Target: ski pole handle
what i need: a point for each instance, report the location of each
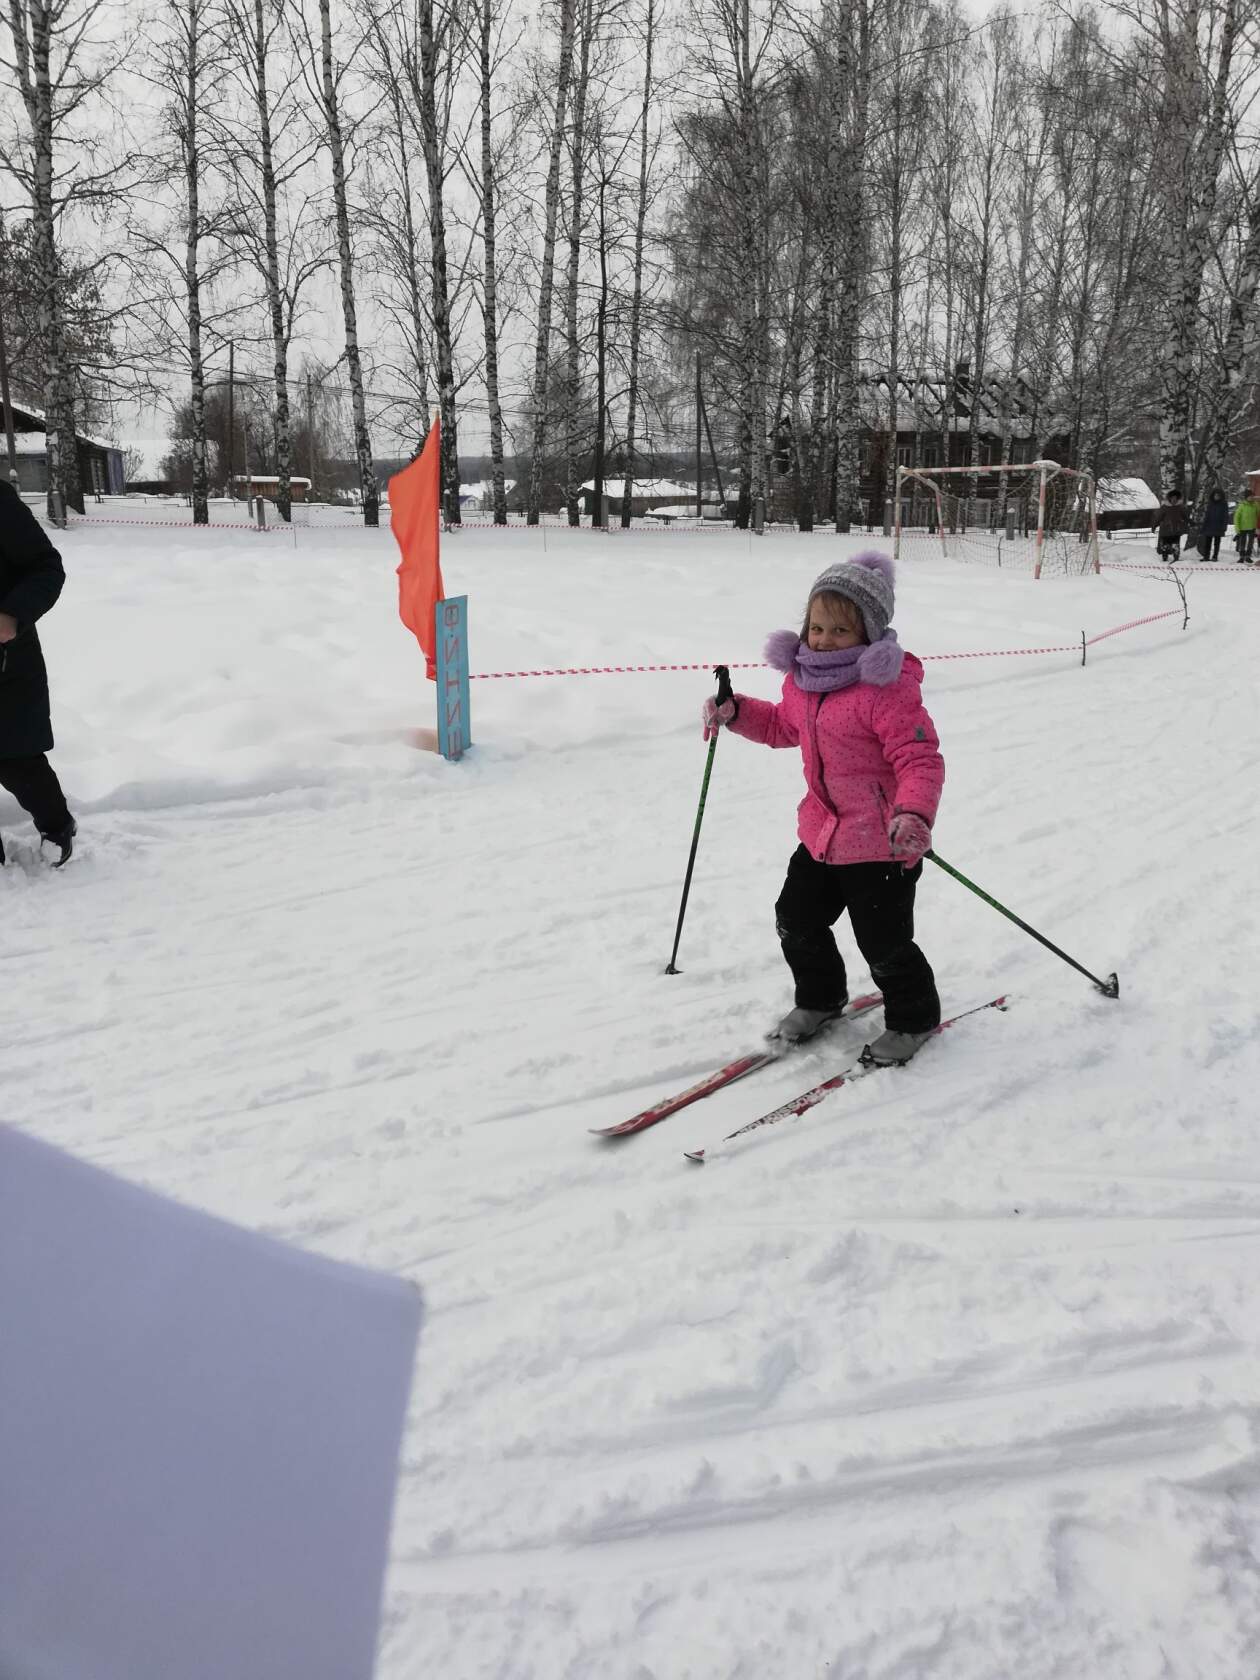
(725, 691)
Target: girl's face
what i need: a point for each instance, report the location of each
(832, 623)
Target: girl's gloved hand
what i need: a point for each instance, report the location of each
(715, 716)
(909, 837)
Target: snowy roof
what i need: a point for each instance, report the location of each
(681, 510)
(485, 487)
(643, 487)
(1118, 494)
(84, 437)
(266, 478)
(934, 399)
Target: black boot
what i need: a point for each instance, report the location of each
(64, 838)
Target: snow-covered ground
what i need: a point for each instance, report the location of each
(956, 1376)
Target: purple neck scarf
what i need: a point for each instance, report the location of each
(822, 673)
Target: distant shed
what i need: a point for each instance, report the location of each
(1126, 504)
(100, 461)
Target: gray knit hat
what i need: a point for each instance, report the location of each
(867, 581)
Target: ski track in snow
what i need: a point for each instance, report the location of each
(957, 1375)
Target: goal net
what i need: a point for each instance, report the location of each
(1038, 517)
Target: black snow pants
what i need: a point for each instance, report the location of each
(880, 900)
(33, 783)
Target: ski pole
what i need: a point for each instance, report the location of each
(724, 694)
(1110, 987)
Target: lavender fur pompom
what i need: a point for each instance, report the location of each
(781, 646)
(876, 561)
(881, 662)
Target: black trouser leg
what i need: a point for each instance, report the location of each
(881, 909)
(812, 899)
(1213, 547)
(33, 783)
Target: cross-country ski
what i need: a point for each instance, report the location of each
(740, 1068)
(860, 1069)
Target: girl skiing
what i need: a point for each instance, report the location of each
(873, 777)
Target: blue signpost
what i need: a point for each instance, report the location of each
(454, 724)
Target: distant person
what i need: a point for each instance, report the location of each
(1215, 519)
(1246, 518)
(31, 577)
(1171, 524)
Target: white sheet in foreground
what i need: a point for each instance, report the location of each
(199, 1436)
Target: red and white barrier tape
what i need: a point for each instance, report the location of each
(76, 524)
(1161, 568)
(1154, 618)
(758, 664)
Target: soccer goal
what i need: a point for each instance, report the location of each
(1037, 516)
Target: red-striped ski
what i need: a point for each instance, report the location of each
(738, 1069)
(816, 1093)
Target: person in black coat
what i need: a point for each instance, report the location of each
(31, 577)
(1215, 519)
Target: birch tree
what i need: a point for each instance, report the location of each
(994, 110)
(179, 247)
(734, 58)
(389, 212)
(1238, 347)
(430, 60)
(1194, 43)
(271, 227)
(488, 184)
(898, 157)
(852, 87)
(62, 58)
(636, 283)
(546, 278)
(324, 87)
(588, 18)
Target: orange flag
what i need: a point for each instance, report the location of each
(414, 503)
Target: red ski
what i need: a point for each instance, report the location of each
(816, 1093)
(738, 1069)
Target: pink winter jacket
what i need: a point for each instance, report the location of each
(869, 751)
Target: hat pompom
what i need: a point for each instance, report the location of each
(875, 561)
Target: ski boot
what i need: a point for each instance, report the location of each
(799, 1024)
(64, 839)
(894, 1049)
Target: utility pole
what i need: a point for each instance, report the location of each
(9, 439)
(310, 436)
(231, 437)
(699, 415)
(601, 353)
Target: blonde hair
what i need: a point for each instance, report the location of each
(841, 609)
